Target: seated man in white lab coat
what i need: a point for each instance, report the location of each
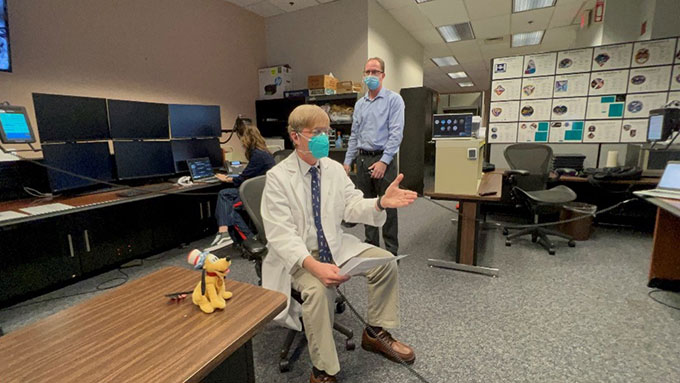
(305, 199)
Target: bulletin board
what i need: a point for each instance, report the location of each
(589, 95)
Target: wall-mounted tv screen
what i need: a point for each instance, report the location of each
(5, 58)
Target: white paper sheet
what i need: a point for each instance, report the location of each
(44, 209)
(356, 266)
(7, 215)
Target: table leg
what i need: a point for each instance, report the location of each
(466, 246)
(237, 368)
(664, 270)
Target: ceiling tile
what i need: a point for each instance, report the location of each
(484, 9)
(491, 27)
(292, 6)
(565, 14)
(265, 9)
(411, 18)
(530, 21)
(465, 51)
(427, 36)
(559, 38)
(392, 4)
(444, 12)
(244, 3)
(437, 50)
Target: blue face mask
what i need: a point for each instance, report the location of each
(372, 82)
(318, 145)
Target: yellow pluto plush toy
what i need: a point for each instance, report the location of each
(209, 293)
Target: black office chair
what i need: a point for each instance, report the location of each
(280, 155)
(255, 248)
(529, 174)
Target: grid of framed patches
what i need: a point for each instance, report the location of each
(591, 95)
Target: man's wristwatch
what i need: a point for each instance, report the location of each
(380, 206)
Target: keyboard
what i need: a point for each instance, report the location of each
(144, 190)
(208, 180)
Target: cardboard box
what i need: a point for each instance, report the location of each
(321, 92)
(274, 81)
(322, 81)
(348, 87)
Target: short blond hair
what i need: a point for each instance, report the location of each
(379, 60)
(305, 116)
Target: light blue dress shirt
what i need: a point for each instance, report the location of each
(377, 124)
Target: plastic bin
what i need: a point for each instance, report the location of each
(580, 229)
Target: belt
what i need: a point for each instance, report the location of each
(370, 153)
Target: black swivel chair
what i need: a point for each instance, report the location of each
(255, 248)
(280, 155)
(529, 174)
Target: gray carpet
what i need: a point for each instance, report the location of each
(580, 316)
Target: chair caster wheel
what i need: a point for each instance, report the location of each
(508, 243)
(551, 251)
(349, 345)
(340, 308)
(506, 231)
(571, 243)
(284, 366)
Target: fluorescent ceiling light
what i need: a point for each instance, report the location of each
(528, 38)
(422, 1)
(465, 84)
(458, 75)
(456, 32)
(527, 5)
(445, 61)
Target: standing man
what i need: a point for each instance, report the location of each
(377, 130)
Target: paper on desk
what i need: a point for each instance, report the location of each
(356, 266)
(7, 215)
(44, 209)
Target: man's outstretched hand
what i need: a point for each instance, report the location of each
(395, 197)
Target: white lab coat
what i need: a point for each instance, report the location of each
(285, 224)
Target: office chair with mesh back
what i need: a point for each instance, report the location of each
(256, 249)
(529, 174)
(280, 155)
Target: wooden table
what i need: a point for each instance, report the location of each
(135, 334)
(664, 269)
(644, 181)
(489, 190)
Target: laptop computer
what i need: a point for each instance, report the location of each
(201, 170)
(669, 186)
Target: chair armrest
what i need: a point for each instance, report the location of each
(516, 172)
(256, 250)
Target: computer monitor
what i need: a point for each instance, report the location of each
(200, 168)
(143, 159)
(670, 180)
(70, 118)
(138, 120)
(15, 127)
(88, 159)
(452, 125)
(662, 123)
(183, 150)
(5, 51)
(190, 121)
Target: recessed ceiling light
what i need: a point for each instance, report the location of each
(528, 38)
(458, 75)
(527, 5)
(465, 84)
(456, 32)
(445, 61)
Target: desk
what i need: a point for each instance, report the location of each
(644, 181)
(468, 227)
(135, 334)
(664, 270)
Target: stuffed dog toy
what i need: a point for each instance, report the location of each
(209, 293)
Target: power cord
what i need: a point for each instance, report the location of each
(651, 295)
(374, 335)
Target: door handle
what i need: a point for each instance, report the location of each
(208, 209)
(87, 241)
(70, 245)
(200, 208)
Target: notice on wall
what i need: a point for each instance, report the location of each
(574, 61)
(502, 90)
(533, 131)
(504, 111)
(507, 67)
(611, 57)
(537, 87)
(539, 65)
(634, 131)
(571, 85)
(535, 110)
(566, 131)
(606, 107)
(657, 52)
(569, 109)
(649, 79)
(503, 132)
(675, 78)
(602, 131)
(610, 82)
(639, 105)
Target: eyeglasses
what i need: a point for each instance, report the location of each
(317, 131)
(372, 72)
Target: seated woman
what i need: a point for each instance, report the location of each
(232, 227)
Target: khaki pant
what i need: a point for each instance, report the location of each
(318, 307)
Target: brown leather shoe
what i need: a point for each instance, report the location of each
(386, 345)
(321, 378)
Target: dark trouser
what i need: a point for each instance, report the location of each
(227, 215)
(376, 187)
